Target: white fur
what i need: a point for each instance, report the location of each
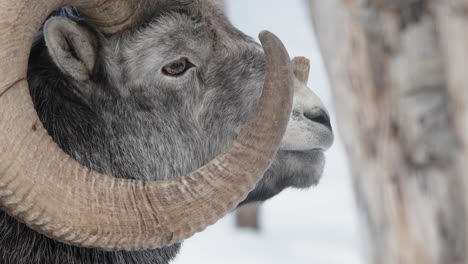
(303, 134)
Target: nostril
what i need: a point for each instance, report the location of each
(319, 116)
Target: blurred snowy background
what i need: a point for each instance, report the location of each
(317, 226)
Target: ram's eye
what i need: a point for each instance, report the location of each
(178, 67)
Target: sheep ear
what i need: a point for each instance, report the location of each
(71, 46)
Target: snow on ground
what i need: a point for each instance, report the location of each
(317, 226)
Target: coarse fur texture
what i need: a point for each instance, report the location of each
(106, 102)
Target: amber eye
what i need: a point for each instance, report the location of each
(177, 68)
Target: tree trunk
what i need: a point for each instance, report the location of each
(399, 73)
(247, 217)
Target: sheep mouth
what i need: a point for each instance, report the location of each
(305, 167)
(305, 137)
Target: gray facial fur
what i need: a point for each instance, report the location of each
(106, 102)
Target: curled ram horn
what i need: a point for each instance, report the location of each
(301, 68)
(51, 193)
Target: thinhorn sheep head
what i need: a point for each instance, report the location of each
(52, 194)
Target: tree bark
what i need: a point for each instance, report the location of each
(247, 217)
(398, 70)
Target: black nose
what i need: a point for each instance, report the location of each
(319, 116)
